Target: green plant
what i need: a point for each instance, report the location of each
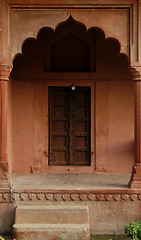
(61, 238)
(133, 230)
(1, 238)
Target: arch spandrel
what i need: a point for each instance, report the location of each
(27, 23)
(105, 53)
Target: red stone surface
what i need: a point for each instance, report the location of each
(64, 233)
(51, 222)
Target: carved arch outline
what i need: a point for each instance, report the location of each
(79, 30)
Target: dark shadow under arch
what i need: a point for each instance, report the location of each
(71, 48)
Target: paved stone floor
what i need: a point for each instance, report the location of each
(69, 181)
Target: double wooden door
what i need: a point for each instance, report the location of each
(69, 126)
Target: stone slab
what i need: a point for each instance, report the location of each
(43, 214)
(51, 231)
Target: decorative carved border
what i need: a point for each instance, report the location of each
(73, 196)
(68, 3)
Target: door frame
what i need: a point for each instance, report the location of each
(72, 169)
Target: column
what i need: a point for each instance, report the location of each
(4, 76)
(135, 181)
(5, 63)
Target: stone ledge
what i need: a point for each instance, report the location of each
(5, 196)
(42, 227)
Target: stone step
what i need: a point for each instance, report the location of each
(51, 231)
(50, 214)
(51, 222)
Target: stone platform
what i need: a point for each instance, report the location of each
(62, 181)
(70, 187)
(111, 203)
(51, 222)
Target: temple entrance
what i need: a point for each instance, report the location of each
(61, 130)
(69, 126)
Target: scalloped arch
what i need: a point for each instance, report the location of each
(78, 28)
(59, 26)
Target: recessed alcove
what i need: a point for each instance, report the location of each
(71, 54)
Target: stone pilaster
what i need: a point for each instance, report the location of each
(4, 76)
(135, 181)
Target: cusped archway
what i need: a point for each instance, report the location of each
(72, 48)
(72, 55)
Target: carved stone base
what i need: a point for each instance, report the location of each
(3, 168)
(135, 181)
(4, 182)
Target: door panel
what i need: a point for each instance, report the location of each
(80, 127)
(58, 124)
(69, 126)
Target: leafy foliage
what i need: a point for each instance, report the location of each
(1, 238)
(133, 230)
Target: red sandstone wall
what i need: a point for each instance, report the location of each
(106, 217)
(114, 126)
(22, 129)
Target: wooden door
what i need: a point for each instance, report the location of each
(69, 126)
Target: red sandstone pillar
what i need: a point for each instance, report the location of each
(135, 181)
(5, 63)
(4, 76)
